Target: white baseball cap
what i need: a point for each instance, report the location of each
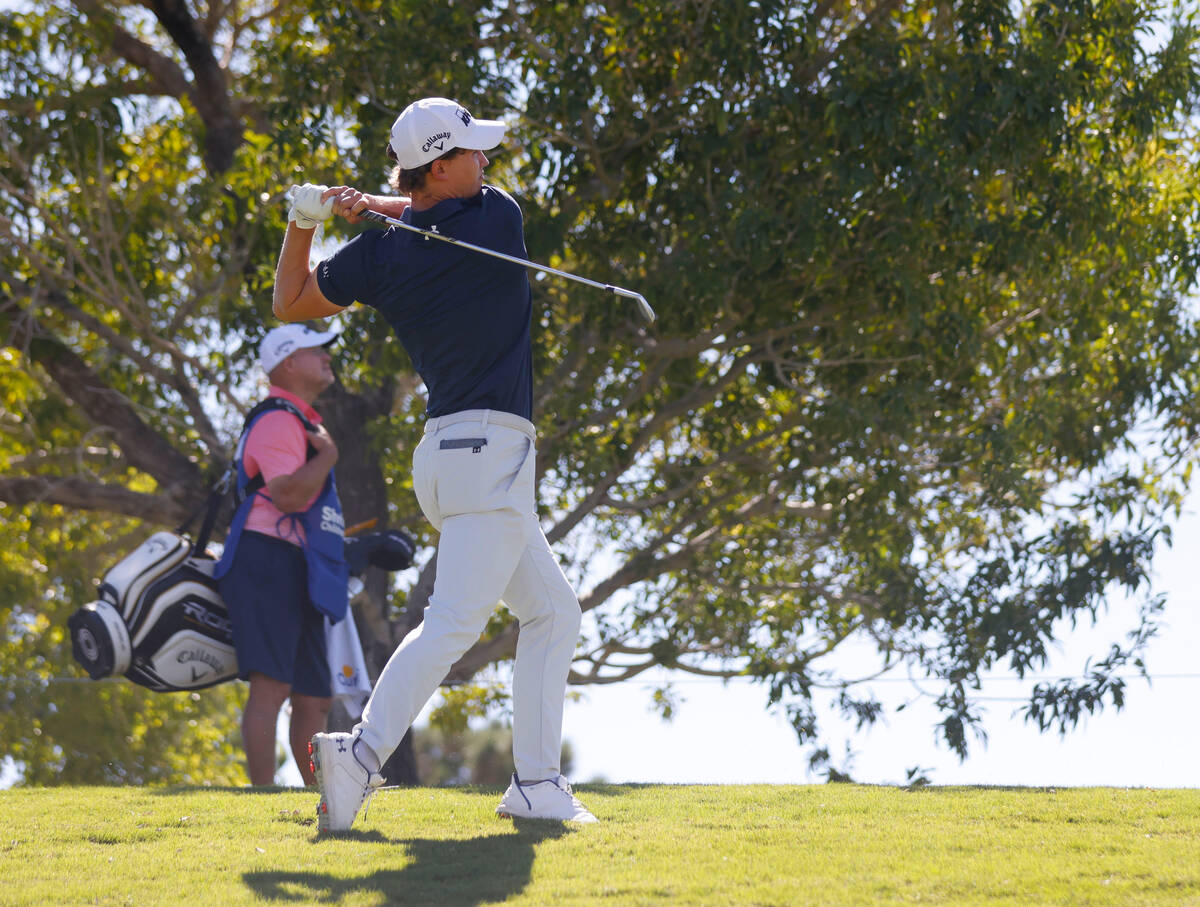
(282, 341)
(429, 128)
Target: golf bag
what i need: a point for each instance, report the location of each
(161, 622)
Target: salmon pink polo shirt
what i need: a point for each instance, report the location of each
(277, 446)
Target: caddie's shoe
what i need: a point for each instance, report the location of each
(344, 781)
(548, 799)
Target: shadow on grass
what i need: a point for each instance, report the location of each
(455, 873)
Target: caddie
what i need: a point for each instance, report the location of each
(283, 570)
(465, 321)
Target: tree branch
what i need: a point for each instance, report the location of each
(142, 446)
(174, 378)
(209, 90)
(166, 72)
(211, 95)
(90, 96)
(78, 493)
(665, 415)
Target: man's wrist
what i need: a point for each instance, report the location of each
(390, 205)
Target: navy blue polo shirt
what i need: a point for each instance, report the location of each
(462, 316)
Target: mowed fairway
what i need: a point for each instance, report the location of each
(832, 844)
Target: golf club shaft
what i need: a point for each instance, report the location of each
(643, 306)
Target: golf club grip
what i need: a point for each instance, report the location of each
(368, 214)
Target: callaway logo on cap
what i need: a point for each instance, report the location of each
(282, 341)
(428, 129)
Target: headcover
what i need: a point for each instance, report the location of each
(388, 550)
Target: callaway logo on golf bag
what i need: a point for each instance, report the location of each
(160, 620)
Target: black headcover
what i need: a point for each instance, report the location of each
(391, 549)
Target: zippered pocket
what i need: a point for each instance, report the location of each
(476, 444)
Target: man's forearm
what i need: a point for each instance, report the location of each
(292, 270)
(391, 205)
(291, 493)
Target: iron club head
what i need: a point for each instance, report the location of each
(643, 306)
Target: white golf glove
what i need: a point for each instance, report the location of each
(307, 208)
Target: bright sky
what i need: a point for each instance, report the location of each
(722, 733)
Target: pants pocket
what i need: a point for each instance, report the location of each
(425, 481)
(471, 476)
(520, 483)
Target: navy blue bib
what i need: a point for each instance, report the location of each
(324, 526)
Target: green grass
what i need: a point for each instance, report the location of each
(832, 844)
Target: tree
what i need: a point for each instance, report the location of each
(134, 247)
(922, 274)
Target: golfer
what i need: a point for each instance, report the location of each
(464, 319)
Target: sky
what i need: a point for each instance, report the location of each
(722, 732)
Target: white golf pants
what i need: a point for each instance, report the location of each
(473, 473)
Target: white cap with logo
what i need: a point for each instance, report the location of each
(429, 128)
(282, 341)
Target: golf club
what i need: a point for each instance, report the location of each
(643, 306)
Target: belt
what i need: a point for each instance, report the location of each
(484, 418)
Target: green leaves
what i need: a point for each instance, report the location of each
(921, 260)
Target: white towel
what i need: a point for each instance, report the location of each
(347, 667)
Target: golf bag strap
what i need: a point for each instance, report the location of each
(211, 508)
(215, 497)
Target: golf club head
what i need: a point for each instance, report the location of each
(643, 306)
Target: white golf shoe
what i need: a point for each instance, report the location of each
(548, 799)
(344, 782)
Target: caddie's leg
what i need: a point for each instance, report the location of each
(548, 611)
(258, 726)
(310, 715)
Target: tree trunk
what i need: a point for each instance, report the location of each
(401, 766)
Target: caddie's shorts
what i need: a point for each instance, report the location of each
(277, 630)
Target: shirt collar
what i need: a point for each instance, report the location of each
(309, 413)
(444, 209)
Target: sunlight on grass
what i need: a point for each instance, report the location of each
(834, 844)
